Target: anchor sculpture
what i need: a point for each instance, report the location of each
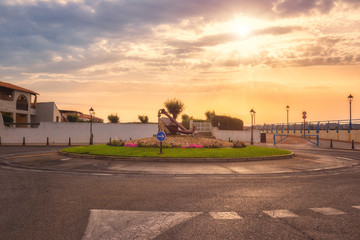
(170, 126)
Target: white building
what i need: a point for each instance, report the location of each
(21, 105)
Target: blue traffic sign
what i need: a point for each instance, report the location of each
(160, 136)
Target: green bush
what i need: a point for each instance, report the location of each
(227, 123)
(7, 118)
(72, 118)
(113, 118)
(143, 118)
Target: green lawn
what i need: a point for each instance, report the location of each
(249, 151)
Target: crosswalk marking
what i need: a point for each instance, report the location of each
(119, 224)
(280, 213)
(224, 215)
(328, 211)
(145, 225)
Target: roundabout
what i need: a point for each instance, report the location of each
(48, 159)
(194, 153)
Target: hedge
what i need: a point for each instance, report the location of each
(227, 123)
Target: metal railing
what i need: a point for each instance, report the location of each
(202, 126)
(333, 125)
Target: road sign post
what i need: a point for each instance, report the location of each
(160, 136)
(304, 117)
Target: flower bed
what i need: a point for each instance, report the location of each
(178, 141)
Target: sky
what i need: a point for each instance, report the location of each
(127, 57)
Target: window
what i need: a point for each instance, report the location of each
(22, 103)
(6, 94)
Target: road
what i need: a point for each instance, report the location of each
(44, 204)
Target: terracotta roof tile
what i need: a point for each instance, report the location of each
(14, 87)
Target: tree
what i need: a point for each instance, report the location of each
(184, 117)
(113, 118)
(174, 107)
(143, 118)
(72, 118)
(209, 114)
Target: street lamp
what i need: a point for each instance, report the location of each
(350, 97)
(91, 111)
(252, 113)
(287, 114)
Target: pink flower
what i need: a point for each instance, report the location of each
(131, 145)
(193, 146)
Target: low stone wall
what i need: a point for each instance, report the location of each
(236, 135)
(79, 133)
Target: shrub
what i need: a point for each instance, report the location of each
(113, 118)
(72, 118)
(239, 144)
(210, 114)
(227, 123)
(7, 118)
(174, 107)
(143, 119)
(116, 142)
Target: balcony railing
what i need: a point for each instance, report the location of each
(22, 106)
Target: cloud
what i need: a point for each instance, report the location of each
(305, 7)
(119, 36)
(277, 30)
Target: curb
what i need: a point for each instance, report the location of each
(186, 160)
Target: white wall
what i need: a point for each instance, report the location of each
(47, 112)
(59, 133)
(79, 133)
(241, 135)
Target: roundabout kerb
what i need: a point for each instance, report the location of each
(175, 159)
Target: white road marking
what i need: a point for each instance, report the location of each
(280, 213)
(224, 215)
(328, 211)
(345, 158)
(65, 159)
(117, 224)
(358, 207)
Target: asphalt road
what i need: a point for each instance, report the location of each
(72, 205)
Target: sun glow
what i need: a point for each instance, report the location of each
(242, 31)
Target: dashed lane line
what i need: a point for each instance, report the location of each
(345, 158)
(33, 155)
(280, 213)
(328, 211)
(358, 207)
(224, 215)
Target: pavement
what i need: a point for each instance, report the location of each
(307, 159)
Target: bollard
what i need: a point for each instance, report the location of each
(47, 141)
(352, 144)
(23, 141)
(69, 141)
(331, 146)
(0, 140)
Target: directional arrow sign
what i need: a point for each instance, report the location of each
(160, 136)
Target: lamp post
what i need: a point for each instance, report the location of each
(287, 114)
(91, 111)
(252, 113)
(350, 97)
